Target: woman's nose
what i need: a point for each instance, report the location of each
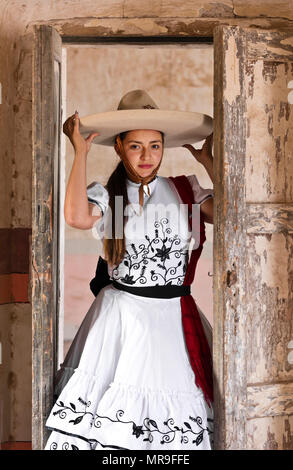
(145, 154)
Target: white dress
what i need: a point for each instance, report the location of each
(128, 381)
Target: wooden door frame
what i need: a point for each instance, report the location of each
(45, 227)
(44, 260)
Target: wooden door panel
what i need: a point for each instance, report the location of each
(269, 180)
(269, 164)
(47, 61)
(269, 307)
(253, 238)
(270, 433)
(273, 399)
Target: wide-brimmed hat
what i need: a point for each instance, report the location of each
(137, 110)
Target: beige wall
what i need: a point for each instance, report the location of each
(76, 17)
(96, 80)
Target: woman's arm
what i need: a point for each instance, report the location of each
(205, 157)
(207, 210)
(77, 209)
(207, 207)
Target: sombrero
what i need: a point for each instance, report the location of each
(137, 110)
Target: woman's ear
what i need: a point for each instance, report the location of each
(116, 148)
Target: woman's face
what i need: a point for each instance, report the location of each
(144, 150)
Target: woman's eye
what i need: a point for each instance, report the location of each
(135, 147)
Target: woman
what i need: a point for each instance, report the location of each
(127, 382)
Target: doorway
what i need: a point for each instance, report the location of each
(177, 78)
(252, 229)
(55, 61)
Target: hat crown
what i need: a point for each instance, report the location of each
(137, 99)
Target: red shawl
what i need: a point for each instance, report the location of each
(195, 338)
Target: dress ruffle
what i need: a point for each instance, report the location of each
(127, 382)
(128, 417)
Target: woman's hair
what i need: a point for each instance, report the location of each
(114, 248)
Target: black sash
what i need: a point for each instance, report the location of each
(102, 279)
(160, 292)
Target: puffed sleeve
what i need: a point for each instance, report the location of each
(200, 194)
(97, 194)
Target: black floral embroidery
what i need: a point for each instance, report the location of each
(145, 254)
(65, 446)
(148, 429)
(93, 443)
(68, 446)
(137, 430)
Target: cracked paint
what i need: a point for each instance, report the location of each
(269, 167)
(145, 25)
(232, 70)
(272, 266)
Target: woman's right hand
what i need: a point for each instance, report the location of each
(71, 129)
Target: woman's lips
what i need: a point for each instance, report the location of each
(145, 166)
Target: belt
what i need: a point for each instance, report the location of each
(160, 292)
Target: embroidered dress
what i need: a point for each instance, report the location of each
(126, 382)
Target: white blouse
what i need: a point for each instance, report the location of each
(158, 240)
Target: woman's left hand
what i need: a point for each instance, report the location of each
(205, 152)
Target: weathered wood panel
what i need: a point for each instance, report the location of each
(270, 433)
(46, 130)
(270, 45)
(218, 246)
(269, 182)
(229, 243)
(175, 26)
(270, 217)
(253, 238)
(270, 400)
(269, 166)
(270, 307)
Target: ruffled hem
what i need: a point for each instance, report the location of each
(125, 416)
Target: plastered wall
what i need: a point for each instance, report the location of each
(76, 17)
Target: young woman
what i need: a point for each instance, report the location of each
(127, 381)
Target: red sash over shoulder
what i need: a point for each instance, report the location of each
(195, 338)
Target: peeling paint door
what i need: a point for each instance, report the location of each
(47, 61)
(253, 238)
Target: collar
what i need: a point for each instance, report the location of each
(132, 189)
(132, 185)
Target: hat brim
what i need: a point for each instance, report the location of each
(179, 127)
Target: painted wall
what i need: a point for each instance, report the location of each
(76, 17)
